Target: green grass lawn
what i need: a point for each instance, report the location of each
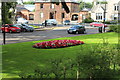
(21, 57)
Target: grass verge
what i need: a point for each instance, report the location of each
(21, 57)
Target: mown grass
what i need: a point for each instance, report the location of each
(21, 57)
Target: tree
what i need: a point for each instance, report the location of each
(85, 5)
(29, 2)
(8, 9)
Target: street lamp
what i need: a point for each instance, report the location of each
(104, 16)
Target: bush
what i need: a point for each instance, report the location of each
(57, 43)
(110, 22)
(115, 28)
(88, 20)
(97, 62)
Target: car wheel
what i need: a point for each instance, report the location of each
(54, 24)
(93, 26)
(75, 32)
(85, 32)
(31, 30)
(2, 31)
(10, 31)
(79, 32)
(69, 32)
(24, 30)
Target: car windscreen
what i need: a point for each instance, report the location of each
(12, 25)
(19, 26)
(76, 26)
(67, 21)
(25, 25)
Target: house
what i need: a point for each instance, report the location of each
(113, 10)
(107, 12)
(44, 9)
(97, 11)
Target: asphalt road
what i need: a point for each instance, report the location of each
(56, 32)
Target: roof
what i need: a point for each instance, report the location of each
(102, 6)
(73, 1)
(20, 8)
(85, 9)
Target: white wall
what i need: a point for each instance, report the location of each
(110, 10)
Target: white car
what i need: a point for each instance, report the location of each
(50, 22)
(22, 20)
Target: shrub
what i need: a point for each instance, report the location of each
(88, 20)
(110, 22)
(114, 28)
(57, 43)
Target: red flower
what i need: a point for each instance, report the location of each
(57, 43)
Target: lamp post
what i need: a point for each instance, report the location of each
(3, 20)
(104, 16)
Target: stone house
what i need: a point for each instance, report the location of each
(112, 11)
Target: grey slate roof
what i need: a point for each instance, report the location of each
(20, 8)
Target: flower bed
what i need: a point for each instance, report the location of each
(57, 43)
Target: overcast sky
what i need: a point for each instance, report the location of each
(75, 0)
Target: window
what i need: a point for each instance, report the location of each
(41, 5)
(41, 15)
(98, 16)
(52, 6)
(63, 15)
(31, 16)
(116, 7)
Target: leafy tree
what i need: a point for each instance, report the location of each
(103, 2)
(7, 15)
(85, 5)
(29, 2)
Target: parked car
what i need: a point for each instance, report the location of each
(10, 28)
(50, 22)
(66, 22)
(77, 29)
(25, 27)
(97, 24)
(22, 20)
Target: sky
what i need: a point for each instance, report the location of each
(75, 0)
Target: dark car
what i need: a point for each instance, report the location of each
(25, 27)
(10, 28)
(66, 22)
(77, 29)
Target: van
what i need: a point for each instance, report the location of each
(22, 21)
(50, 22)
